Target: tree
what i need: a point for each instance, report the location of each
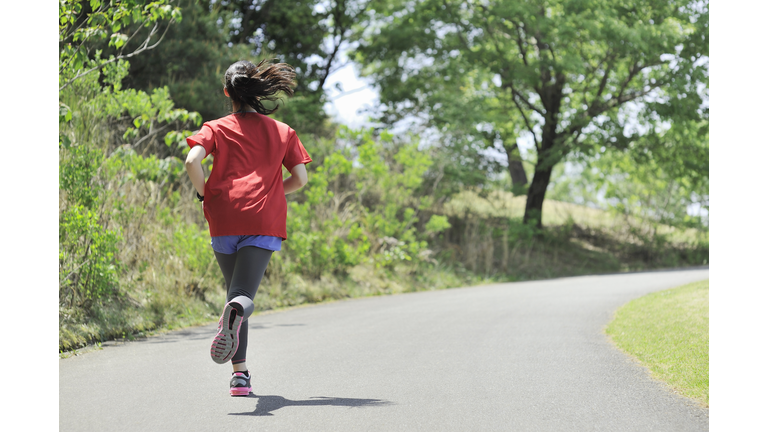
(569, 74)
(215, 34)
(307, 34)
(191, 61)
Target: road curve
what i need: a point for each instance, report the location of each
(526, 356)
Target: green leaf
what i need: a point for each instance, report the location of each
(117, 40)
(65, 114)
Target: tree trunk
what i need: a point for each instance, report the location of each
(516, 170)
(514, 164)
(547, 157)
(536, 192)
(519, 179)
(547, 151)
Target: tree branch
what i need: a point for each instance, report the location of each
(342, 94)
(527, 123)
(509, 85)
(515, 93)
(520, 46)
(601, 88)
(338, 67)
(615, 101)
(142, 48)
(138, 29)
(588, 77)
(328, 64)
(459, 23)
(545, 75)
(150, 134)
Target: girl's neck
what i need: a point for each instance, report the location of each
(242, 108)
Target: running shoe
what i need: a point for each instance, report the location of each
(227, 339)
(240, 384)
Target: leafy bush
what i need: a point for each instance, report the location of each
(88, 267)
(358, 208)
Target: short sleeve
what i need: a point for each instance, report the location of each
(203, 137)
(295, 153)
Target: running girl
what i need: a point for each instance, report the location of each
(244, 197)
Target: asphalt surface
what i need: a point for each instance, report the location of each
(528, 356)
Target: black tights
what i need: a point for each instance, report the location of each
(243, 271)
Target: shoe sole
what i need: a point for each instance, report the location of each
(240, 391)
(227, 339)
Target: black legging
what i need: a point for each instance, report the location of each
(243, 271)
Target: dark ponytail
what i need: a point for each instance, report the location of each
(249, 84)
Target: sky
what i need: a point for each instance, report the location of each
(357, 94)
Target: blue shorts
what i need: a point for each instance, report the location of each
(232, 243)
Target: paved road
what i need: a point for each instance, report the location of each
(527, 356)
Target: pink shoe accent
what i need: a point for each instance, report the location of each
(236, 387)
(240, 391)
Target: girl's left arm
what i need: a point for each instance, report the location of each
(194, 167)
(297, 179)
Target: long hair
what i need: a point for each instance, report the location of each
(249, 84)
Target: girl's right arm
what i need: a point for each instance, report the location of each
(195, 168)
(297, 179)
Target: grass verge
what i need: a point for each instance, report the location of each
(668, 332)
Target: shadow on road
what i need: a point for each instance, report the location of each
(267, 404)
(202, 332)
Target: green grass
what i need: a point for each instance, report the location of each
(668, 332)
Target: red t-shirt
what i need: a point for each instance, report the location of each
(244, 194)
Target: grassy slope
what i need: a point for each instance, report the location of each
(555, 213)
(583, 240)
(668, 332)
